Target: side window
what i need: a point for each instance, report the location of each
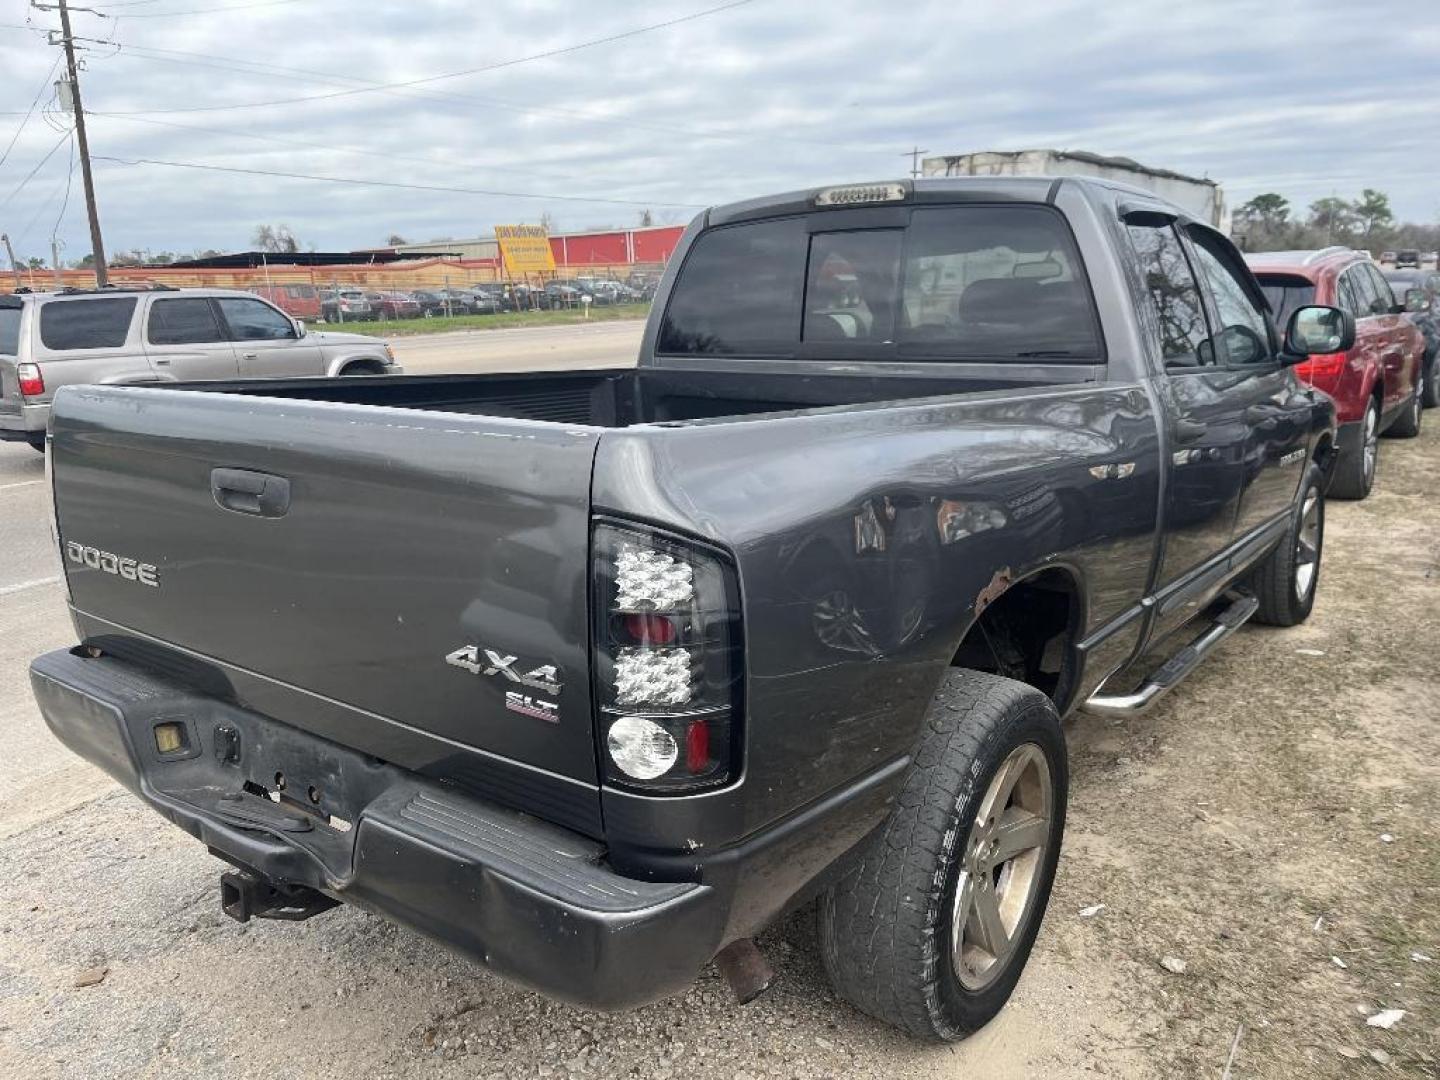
(1385, 296)
(1178, 307)
(101, 323)
(853, 281)
(1243, 336)
(190, 321)
(739, 292)
(1367, 300)
(254, 320)
(1346, 296)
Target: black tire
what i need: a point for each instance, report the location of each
(1407, 424)
(1353, 478)
(37, 445)
(1277, 581)
(1430, 396)
(885, 926)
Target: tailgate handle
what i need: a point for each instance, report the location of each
(248, 492)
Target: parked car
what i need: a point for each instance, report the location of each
(345, 305)
(301, 301)
(562, 294)
(431, 302)
(484, 302)
(130, 336)
(1376, 383)
(1407, 257)
(1387, 256)
(1419, 291)
(594, 674)
(394, 305)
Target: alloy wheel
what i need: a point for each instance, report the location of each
(1001, 867)
(1371, 448)
(1307, 545)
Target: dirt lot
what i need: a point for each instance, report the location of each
(1275, 825)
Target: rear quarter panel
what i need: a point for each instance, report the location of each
(856, 585)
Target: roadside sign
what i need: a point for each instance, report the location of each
(525, 249)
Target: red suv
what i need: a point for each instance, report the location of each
(1377, 383)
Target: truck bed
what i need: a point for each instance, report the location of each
(620, 398)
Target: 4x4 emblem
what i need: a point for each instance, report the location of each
(479, 661)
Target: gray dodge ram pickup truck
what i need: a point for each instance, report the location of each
(592, 675)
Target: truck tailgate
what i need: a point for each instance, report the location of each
(384, 541)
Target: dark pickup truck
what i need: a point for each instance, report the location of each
(592, 675)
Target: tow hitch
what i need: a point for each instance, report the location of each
(245, 896)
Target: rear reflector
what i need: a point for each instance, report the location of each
(32, 383)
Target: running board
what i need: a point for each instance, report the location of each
(1169, 674)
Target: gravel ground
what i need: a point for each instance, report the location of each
(1241, 829)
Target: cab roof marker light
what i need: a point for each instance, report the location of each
(861, 194)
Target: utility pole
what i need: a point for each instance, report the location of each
(14, 266)
(97, 245)
(914, 156)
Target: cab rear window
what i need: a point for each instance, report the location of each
(956, 283)
(100, 323)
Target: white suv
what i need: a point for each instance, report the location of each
(49, 340)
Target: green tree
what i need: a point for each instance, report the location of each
(1373, 213)
(1270, 210)
(1333, 218)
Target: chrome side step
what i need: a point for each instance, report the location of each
(1169, 674)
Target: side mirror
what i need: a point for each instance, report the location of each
(1316, 329)
(1416, 300)
(300, 330)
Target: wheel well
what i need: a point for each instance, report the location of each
(361, 367)
(1027, 634)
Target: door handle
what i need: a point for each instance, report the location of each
(1189, 430)
(247, 492)
(250, 356)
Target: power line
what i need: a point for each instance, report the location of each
(468, 71)
(31, 111)
(191, 11)
(65, 203)
(397, 184)
(31, 174)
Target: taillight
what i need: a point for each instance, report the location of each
(667, 655)
(1325, 366)
(32, 383)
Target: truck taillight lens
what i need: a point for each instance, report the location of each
(32, 383)
(667, 658)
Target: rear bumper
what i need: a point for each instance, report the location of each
(25, 425)
(533, 902)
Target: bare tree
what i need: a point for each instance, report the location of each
(275, 238)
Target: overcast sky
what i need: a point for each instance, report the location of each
(1306, 97)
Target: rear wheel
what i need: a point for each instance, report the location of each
(1430, 393)
(1407, 424)
(931, 927)
(1285, 582)
(1355, 467)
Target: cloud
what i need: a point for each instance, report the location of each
(1302, 96)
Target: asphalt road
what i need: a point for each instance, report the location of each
(538, 348)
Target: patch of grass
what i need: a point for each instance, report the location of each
(505, 320)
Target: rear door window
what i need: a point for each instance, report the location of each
(1384, 295)
(1366, 296)
(99, 323)
(190, 321)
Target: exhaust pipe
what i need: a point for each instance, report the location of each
(745, 969)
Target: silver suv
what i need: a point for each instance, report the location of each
(50, 340)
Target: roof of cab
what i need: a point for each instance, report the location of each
(1031, 189)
